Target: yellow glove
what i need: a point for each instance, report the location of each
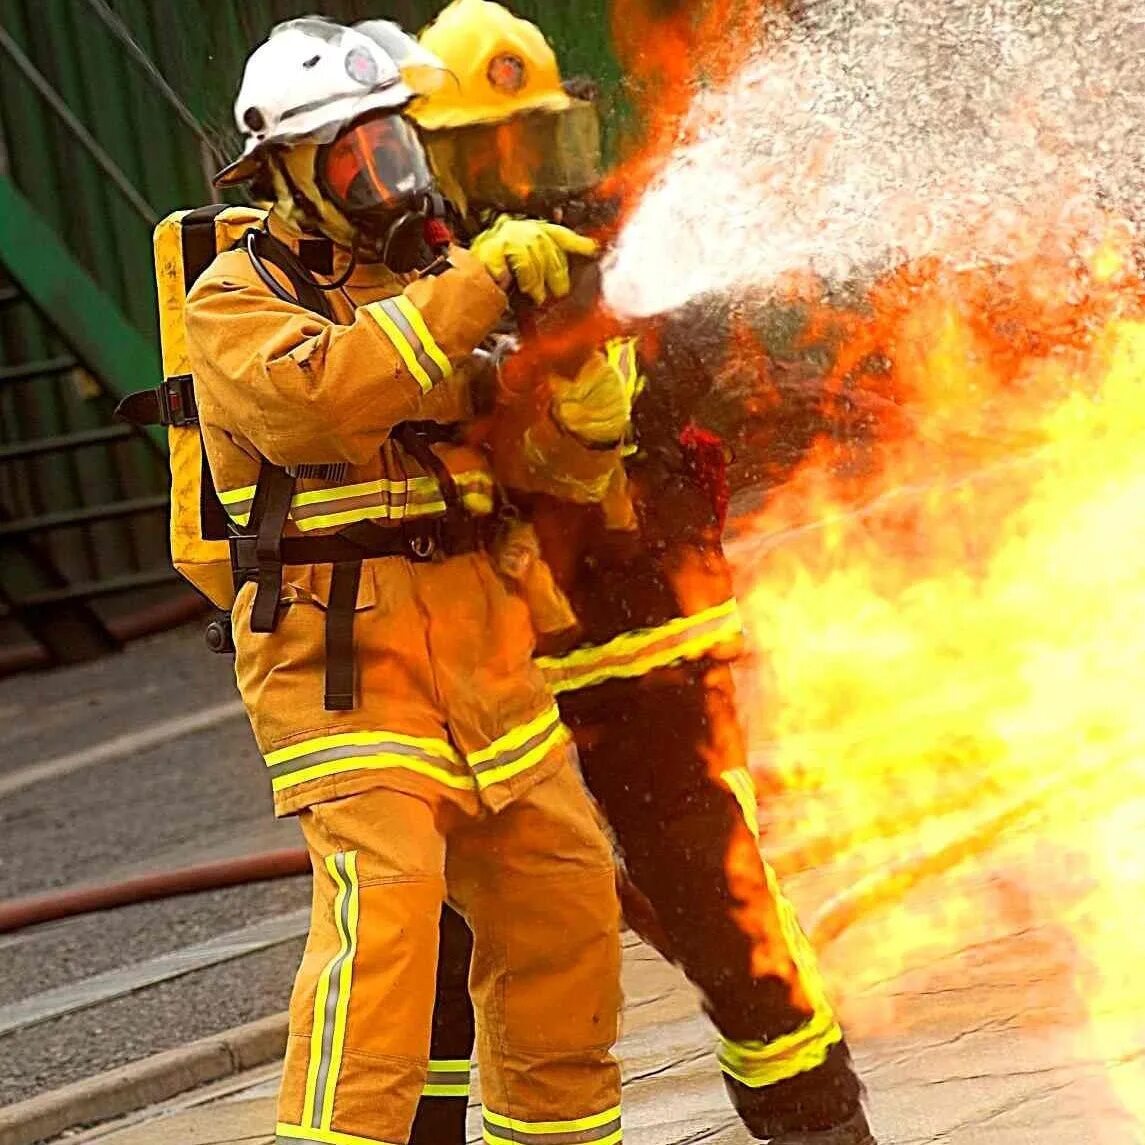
(596, 405)
(535, 253)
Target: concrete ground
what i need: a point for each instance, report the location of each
(982, 1045)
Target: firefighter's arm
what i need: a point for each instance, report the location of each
(304, 390)
(566, 437)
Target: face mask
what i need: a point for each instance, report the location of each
(375, 168)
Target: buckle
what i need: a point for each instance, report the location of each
(177, 404)
(422, 546)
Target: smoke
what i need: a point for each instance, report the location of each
(868, 132)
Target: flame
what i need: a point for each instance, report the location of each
(946, 591)
(954, 628)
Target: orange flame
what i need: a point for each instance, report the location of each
(949, 603)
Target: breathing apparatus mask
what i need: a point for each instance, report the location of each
(375, 173)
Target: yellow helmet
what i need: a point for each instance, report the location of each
(502, 64)
(503, 133)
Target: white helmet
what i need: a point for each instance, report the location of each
(312, 77)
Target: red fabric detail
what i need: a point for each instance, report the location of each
(707, 461)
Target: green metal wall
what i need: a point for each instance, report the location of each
(112, 114)
(198, 50)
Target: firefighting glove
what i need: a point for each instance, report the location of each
(533, 253)
(596, 405)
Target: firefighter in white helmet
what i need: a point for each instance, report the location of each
(386, 667)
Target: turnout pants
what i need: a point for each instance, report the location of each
(535, 884)
(664, 757)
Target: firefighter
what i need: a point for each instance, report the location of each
(648, 689)
(386, 668)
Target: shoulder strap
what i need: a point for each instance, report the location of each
(262, 247)
(200, 245)
(418, 445)
(197, 236)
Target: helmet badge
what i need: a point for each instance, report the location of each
(362, 67)
(507, 73)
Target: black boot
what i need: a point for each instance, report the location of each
(822, 1106)
(855, 1131)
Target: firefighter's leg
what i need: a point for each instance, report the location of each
(664, 757)
(441, 1112)
(536, 883)
(360, 1011)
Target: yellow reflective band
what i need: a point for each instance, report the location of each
(238, 503)
(347, 873)
(362, 489)
(759, 1064)
(637, 653)
(232, 496)
(515, 738)
(447, 1079)
(428, 344)
(740, 783)
(386, 500)
(558, 736)
(519, 749)
(405, 349)
(300, 1134)
(370, 751)
(599, 1129)
(332, 997)
(432, 1089)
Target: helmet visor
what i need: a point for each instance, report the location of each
(531, 158)
(377, 163)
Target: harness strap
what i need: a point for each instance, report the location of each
(262, 247)
(268, 518)
(417, 444)
(340, 691)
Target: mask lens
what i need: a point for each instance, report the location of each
(378, 163)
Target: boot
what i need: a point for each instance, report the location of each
(854, 1131)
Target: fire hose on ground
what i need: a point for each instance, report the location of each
(877, 890)
(17, 914)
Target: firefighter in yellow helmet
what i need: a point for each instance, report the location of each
(385, 665)
(648, 691)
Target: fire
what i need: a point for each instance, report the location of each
(954, 628)
(948, 609)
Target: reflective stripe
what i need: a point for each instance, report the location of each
(404, 326)
(758, 1064)
(447, 1079)
(519, 749)
(643, 650)
(237, 503)
(371, 501)
(740, 783)
(428, 344)
(350, 751)
(366, 500)
(298, 1135)
(332, 998)
(601, 1129)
